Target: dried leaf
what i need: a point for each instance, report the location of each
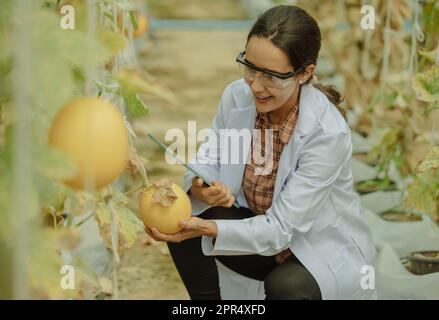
(106, 285)
(136, 163)
(87, 284)
(430, 162)
(79, 203)
(51, 217)
(426, 85)
(116, 197)
(146, 240)
(164, 182)
(163, 194)
(128, 226)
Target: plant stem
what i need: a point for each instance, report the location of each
(85, 219)
(53, 213)
(127, 193)
(69, 220)
(433, 130)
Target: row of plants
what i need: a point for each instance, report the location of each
(390, 77)
(67, 152)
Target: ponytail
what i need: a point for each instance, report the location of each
(332, 93)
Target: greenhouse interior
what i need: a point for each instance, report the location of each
(113, 185)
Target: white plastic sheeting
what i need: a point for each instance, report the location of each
(392, 280)
(381, 201)
(362, 171)
(403, 237)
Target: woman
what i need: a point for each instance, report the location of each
(300, 228)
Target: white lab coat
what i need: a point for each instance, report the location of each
(315, 210)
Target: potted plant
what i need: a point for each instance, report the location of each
(423, 192)
(423, 262)
(383, 153)
(401, 215)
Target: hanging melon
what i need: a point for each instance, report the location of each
(92, 133)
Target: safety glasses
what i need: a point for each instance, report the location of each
(268, 78)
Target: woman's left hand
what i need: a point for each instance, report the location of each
(192, 228)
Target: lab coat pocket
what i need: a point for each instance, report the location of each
(347, 273)
(338, 261)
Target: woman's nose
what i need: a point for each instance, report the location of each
(256, 85)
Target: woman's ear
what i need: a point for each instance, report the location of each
(308, 73)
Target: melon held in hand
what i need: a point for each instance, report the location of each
(163, 205)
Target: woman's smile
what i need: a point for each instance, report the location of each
(262, 99)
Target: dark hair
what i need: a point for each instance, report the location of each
(296, 33)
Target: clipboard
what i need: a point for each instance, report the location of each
(179, 161)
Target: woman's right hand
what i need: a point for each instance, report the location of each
(217, 195)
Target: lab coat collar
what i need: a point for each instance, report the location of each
(310, 108)
(244, 118)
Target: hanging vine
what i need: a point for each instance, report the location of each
(49, 68)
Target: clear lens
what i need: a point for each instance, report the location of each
(266, 79)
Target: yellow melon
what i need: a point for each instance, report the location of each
(92, 133)
(164, 218)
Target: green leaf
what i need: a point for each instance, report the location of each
(61, 56)
(135, 104)
(133, 20)
(55, 164)
(50, 192)
(86, 50)
(109, 15)
(113, 41)
(48, 72)
(422, 194)
(44, 267)
(52, 166)
(81, 51)
(122, 4)
(6, 275)
(137, 81)
(432, 56)
(5, 203)
(7, 167)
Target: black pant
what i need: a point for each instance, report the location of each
(289, 280)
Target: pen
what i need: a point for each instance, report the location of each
(179, 161)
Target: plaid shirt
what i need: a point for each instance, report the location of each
(258, 188)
